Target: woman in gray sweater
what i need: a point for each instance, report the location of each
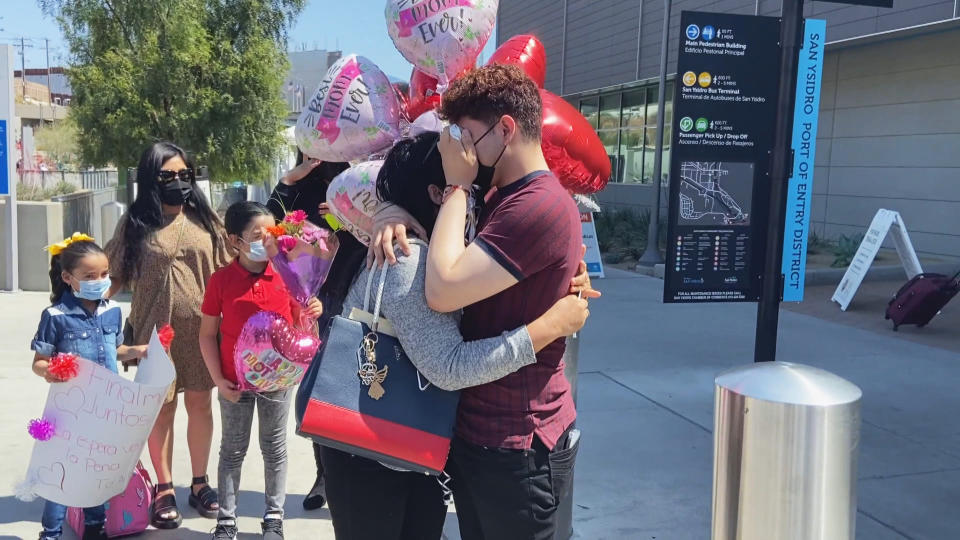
(409, 506)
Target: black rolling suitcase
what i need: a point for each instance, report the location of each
(921, 298)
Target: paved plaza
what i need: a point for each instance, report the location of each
(645, 401)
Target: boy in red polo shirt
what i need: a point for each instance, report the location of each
(236, 292)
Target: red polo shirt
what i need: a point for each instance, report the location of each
(235, 294)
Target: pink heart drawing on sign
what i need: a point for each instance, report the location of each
(52, 475)
(70, 402)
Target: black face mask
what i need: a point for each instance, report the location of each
(175, 192)
(484, 177)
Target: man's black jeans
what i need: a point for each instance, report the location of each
(505, 494)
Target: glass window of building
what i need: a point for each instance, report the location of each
(609, 132)
(590, 109)
(631, 136)
(626, 123)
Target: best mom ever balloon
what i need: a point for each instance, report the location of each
(441, 37)
(353, 113)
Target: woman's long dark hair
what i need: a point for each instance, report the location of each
(146, 213)
(410, 167)
(68, 259)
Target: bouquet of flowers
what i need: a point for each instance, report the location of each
(302, 254)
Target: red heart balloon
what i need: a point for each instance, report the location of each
(526, 52)
(572, 148)
(423, 94)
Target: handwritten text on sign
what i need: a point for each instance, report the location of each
(102, 422)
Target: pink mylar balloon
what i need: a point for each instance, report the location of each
(352, 197)
(271, 354)
(441, 37)
(352, 114)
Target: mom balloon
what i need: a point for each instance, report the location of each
(525, 52)
(572, 148)
(352, 198)
(352, 114)
(441, 37)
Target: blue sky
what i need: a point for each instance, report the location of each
(324, 24)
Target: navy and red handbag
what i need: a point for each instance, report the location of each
(362, 395)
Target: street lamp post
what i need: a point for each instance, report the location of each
(651, 256)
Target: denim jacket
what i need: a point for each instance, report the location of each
(68, 327)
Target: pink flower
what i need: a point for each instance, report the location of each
(297, 216)
(286, 243)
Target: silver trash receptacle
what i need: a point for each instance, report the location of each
(110, 214)
(786, 439)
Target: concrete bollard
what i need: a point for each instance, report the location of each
(786, 440)
(110, 214)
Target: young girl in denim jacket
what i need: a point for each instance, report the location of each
(82, 322)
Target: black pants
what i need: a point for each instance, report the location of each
(371, 502)
(318, 457)
(504, 494)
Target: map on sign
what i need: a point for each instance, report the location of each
(715, 193)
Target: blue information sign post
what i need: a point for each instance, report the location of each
(806, 110)
(4, 156)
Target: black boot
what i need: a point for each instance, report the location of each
(317, 496)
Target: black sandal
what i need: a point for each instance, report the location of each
(205, 501)
(164, 505)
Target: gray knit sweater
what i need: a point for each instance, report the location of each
(432, 340)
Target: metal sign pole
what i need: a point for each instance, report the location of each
(768, 309)
(8, 159)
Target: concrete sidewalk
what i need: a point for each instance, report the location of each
(646, 410)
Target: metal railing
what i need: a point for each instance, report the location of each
(89, 179)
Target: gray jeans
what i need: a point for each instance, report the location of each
(236, 425)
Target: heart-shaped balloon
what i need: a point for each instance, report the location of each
(352, 196)
(572, 148)
(527, 53)
(423, 94)
(271, 354)
(352, 114)
(441, 37)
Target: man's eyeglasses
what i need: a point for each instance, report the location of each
(184, 175)
(456, 135)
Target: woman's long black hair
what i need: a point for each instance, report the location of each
(68, 259)
(410, 167)
(146, 213)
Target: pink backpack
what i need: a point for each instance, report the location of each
(127, 513)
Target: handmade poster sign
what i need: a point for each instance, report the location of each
(100, 423)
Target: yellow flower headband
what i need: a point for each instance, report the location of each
(55, 249)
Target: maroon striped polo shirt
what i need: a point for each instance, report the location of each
(532, 228)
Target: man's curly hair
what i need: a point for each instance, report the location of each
(489, 92)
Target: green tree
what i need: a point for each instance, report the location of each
(205, 74)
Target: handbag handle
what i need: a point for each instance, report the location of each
(376, 311)
(366, 296)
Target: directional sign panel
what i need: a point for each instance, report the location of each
(724, 115)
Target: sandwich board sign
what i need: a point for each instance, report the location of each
(885, 222)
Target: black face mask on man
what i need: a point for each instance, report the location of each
(484, 179)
